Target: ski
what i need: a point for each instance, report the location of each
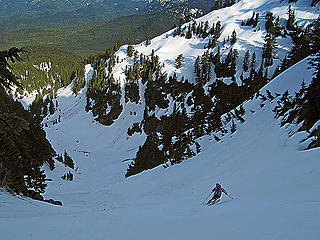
(210, 204)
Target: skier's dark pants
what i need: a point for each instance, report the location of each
(215, 197)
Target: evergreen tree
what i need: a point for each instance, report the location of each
(251, 21)
(7, 78)
(233, 37)
(106, 93)
(130, 50)
(291, 19)
(212, 30)
(148, 156)
(253, 65)
(51, 107)
(256, 20)
(197, 69)
(269, 49)
(311, 112)
(315, 37)
(24, 148)
(78, 79)
(205, 30)
(217, 63)
(178, 31)
(246, 60)
(179, 61)
(68, 160)
(148, 41)
(206, 67)
(231, 63)
(269, 23)
(217, 56)
(277, 27)
(194, 26)
(189, 32)
(217, 32)
(234, 59)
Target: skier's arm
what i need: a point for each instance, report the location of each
(224, 191)
(213, 190)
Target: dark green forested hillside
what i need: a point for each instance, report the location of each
(24, 147)
(89, 38)
(94, 37)
(46, 67)
(44, 70)
(47, 13)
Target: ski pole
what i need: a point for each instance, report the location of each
(230, 196)
(206, 199)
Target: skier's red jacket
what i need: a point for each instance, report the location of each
(218, 191)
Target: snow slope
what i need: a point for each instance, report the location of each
(273, 183)
(168, 47)
(261, 165)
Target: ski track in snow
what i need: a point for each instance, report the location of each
(274, 183)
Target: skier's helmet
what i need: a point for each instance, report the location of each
(218, 185)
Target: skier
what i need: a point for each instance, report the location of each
(218, 190)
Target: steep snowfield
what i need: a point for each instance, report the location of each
(274, 182)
